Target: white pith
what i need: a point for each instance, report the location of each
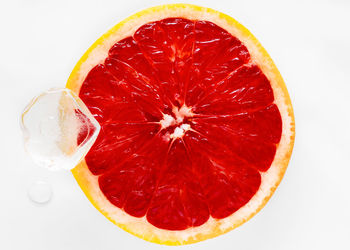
(180, 131)
(270, 178)
(167, 121)
(180, 114)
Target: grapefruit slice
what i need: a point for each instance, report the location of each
(197, 126)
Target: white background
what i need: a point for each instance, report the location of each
(40, 42)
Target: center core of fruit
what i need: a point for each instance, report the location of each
(179, 114)
(180, 131)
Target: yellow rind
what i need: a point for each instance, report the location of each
(82, 174)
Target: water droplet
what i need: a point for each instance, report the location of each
(40, 192)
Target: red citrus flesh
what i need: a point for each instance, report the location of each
(220, 126)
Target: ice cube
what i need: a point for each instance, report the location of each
(58, 129)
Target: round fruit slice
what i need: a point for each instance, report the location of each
(197, 127)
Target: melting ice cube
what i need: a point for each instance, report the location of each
(58, 129)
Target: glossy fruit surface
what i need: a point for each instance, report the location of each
(196, 124)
